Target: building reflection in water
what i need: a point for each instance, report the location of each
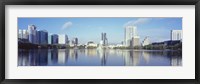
(91, 52)
(103, 57)
(132, 58)
(23, 58)
(146, 56)
(175, 59)
(54, 56)
(43, 57)
(61, 56)
(72, 53)
(33, 57)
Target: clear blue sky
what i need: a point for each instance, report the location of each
(90, 29)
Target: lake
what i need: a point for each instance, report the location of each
(98, 57)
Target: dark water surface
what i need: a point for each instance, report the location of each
(95, 57)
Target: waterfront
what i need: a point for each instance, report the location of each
(98, 57)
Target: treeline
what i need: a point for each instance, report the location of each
(177, 46)
(42, 46)
(50, 46)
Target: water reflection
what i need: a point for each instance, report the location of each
(94, 57)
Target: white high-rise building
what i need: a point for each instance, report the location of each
(62, 39)
(25, 34)
(146, 41)
(32, 34)
(20, 33)
(131, 36)
(135, 41)
(49, 39)
(176, 34)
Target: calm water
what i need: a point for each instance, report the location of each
(95, 57)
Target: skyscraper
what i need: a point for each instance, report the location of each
(49, 39)
(32, 34)
(176, 34)
(76, 41)
(62, 39)
(102, 36)
(131, 36)
(20, 33)
(136, 41)
(54, 39)
(67, 40)
(25, 34)
(104, 39)
(42, 37)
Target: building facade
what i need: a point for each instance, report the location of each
(20, 33)
(32, 34)
(76, 41)
(131, 36)
(104, 39)
(49, 39)
(23, 34)
(91, 44)
(176, 34)
(62, 39)
(42, 37)
(54, 39)
(136, 41)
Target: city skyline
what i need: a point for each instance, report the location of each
(87, 29)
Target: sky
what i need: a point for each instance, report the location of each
(90, 28)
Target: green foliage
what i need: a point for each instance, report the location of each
(81, 47)
(124, 47)
(177, 46)
(91, 47)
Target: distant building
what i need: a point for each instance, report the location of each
(131, 36)
(49, 39)
(25, 34)
(66, 40)
(76, 41)
(176, 34)
(20, 33)
(91, 44)
(71, 43)
(42, 37)
(54, 39)
(146, 41)
(134, 41)
(104, 39)
(32, 34)
(62, 39)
